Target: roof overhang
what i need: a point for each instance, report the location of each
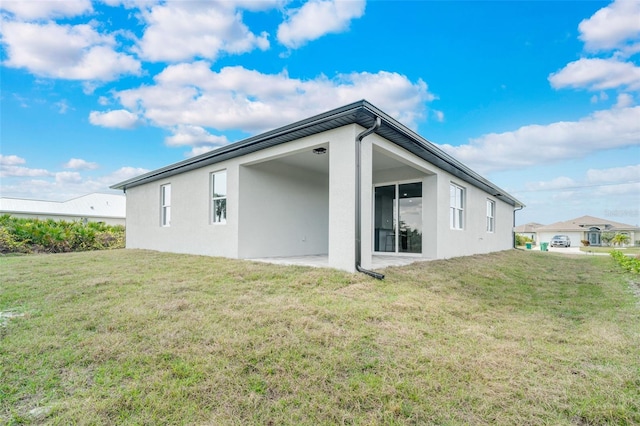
(362, 113)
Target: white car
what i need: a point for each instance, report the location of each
(560, 241)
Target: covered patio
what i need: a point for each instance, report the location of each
(322, 261)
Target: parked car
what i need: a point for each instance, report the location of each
(560, 241)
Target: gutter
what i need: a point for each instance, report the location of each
(359, 138)
(513, 236)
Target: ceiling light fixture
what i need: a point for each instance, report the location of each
(320, 151)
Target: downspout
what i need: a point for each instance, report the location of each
(513, 237)
(359, 138)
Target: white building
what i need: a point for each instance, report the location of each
(96, 207)
(350, 184)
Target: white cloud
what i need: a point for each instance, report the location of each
(63, 106)
(238, 98)
(9, 167)
(178, 31)
(626, 174)
(122, 174)
(80, 164)
(70, 52)
(65, 185)
(540, 144)
(185, 134)
(597, 74)
(624, 100)
(317, 18)
(558, 183)
(11, 160)
(120, 118)
(601, 186)
(198, 150)
(615, 26)
(38, 9)
(64, 178)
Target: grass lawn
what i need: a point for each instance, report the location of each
(139, 337)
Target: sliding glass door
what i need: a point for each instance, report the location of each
(398, 218)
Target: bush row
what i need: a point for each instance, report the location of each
(631, 264)
(20, 235)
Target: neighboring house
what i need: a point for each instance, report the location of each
(107, 208)
(587, 228)
(528, 230)
(348, 184)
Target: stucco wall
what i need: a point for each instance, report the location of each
(277, 210)
(191, 230)
(284, 211)
(473, 238)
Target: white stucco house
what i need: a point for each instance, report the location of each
(350, 184)
(95, 207)
(588, 228)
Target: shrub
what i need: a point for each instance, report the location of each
(522, 240)
(585, 243)
(631, 264)
(8, 244)
(20, 235)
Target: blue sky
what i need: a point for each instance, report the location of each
(542, 98)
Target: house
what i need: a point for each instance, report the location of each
(528, 230)
(349, 184)
(587, 228)
(96, 207)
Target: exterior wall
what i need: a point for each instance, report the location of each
(283, 211)
(413, 170)
(287, 211)
(473, 238)
(342, 202)
(439, 240)
(191, 230)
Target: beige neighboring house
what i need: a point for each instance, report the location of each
(587, 228)
(96, 207)
(528, 230)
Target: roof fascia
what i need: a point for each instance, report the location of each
(362, 113)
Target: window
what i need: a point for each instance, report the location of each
(456, 217)
(491, 215)
(165, 204)
(219, 197)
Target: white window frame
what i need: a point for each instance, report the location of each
(165, 205)
(217, 198)
(491, 216)
(456, 211)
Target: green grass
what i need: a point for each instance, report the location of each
(138, 337)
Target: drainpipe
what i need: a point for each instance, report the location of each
(359, 138)
(513, 237)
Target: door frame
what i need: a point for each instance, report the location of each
(396, 207)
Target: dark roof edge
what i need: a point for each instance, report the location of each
(244, 146)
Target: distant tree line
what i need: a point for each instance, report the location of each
(22, 235)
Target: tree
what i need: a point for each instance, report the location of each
(620, 239)
(606, 237)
